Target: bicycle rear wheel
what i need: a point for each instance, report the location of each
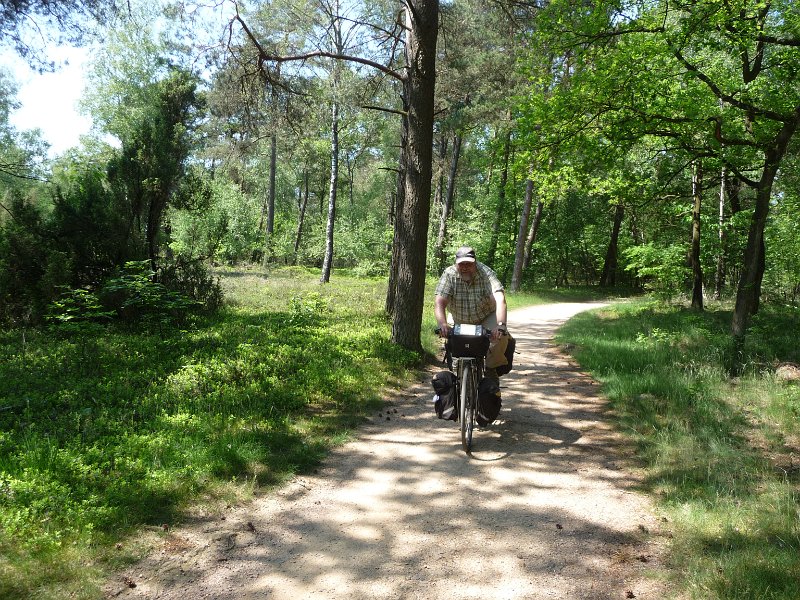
(467, 404)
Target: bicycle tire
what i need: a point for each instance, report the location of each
(467, 406)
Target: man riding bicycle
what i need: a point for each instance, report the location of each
(473, 294)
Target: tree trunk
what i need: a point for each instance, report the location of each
(697, 267)
(531, 239)
(537, 219)
(155, 210)
(447, 206)
(351, 169)
(749, 289)
(301, 215)
(327, 263)
(273, 162)
(422, 20)
(273, 166)
(519, 252)
(719, 280)
(397, 208)
(437, 195)
(501, 201)
(609, 275)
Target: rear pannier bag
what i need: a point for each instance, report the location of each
(512, 345)
(445, 402)
(489, 401)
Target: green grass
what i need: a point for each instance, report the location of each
(720, 454)
(107, 430)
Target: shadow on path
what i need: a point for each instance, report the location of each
(544, 509)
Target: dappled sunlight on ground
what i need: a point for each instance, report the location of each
(546, 507)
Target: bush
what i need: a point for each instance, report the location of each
(192, 279)
(23, 260)
(663, 270)
(133, 294)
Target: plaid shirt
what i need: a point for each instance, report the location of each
(469, 302)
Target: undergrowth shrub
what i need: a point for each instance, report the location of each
(133, 294)
(192, 279)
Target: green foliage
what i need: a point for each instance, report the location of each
(151, 164)
(23, 263)
(226, 230)
(663, 270)
(89, 223)
(782, 276)
(104, 429)
(134, 294)
(717, 452)
(78, 305)
(193, 280)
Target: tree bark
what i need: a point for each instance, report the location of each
(531, 239)
(501, 202)
(397, 208)
(447, 205)
(437, 195)
(273, 167)
(301, 215)
(749, 289)
(422, 21)
(609, 274)
(273, 162)
(697, 267)
(327, 263)
(719, 279)
(519, 252)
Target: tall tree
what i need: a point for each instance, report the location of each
(447, 204)
(417, 77)
(519, 251)
(609, 274)
(22, 153)
(152, 161)
(694, 253)
(139, 95)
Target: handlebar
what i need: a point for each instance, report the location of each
(483, 331)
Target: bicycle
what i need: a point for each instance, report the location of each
(465, 351)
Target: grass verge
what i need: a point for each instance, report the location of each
(107, 430)
(722, 455)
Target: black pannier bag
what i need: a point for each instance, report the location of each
(468, 340)
(489, 401)
(504, 369)
(445, 403)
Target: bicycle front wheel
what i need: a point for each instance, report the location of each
(467, 404)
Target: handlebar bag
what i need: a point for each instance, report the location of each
(469, 340)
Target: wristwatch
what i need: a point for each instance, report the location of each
(501, 325)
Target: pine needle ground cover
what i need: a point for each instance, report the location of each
(721, 454)
(105, 429)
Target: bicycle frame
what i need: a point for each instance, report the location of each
(469, 372)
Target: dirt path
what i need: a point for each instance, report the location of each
(545, 509)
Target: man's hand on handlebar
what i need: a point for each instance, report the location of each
(443, 331)
(498, 331)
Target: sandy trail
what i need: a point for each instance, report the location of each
(546, 508)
